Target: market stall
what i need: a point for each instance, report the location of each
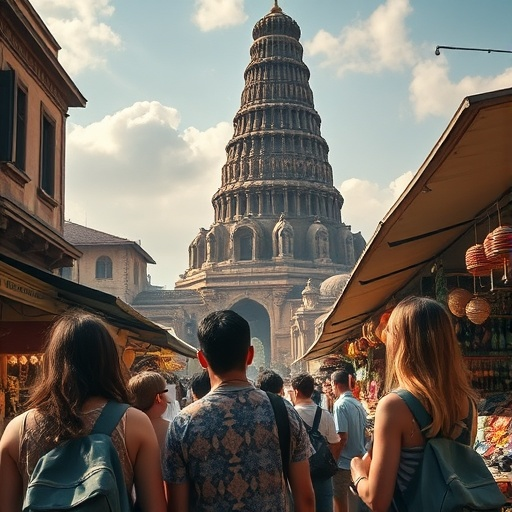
(448, 236)
(30, 299)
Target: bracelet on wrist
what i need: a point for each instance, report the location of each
(358, 479)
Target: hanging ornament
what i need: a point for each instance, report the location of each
(500, 247)
(457, 301)
(478, 310)
(495, 261)
(477, 263)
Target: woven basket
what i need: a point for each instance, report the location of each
(496, 261)
(476, 261)
(501, 243)
(457, 301)
(478, 310)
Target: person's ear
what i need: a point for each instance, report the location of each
(250, 355)
(202, 360)
(351, 382)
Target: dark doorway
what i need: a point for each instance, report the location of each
(259, 321)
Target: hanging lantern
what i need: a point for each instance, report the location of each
(476, 261)
(457, 301)
(497, 260)
(478, 310)
(380, 332)
(501, 246)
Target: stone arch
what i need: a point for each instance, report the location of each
(197, 250)
(247, 238)
(259, 322)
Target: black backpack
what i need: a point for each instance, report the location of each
(321, 464)
(82, 474)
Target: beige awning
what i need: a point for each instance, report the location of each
(54, 294)
(468, 170)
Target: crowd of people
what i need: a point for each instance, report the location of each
(227, 449)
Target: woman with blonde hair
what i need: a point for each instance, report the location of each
(423, 358)
(149, 390)
(81, 372)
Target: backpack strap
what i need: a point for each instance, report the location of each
(283, 429)
(109, 417)
(316, 421)
(419, 412)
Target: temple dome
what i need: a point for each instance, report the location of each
(333, 286)
(276, 23)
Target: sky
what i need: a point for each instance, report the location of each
(163, 80)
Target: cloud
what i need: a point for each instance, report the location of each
(215, 14)
(433, 94)
(369, 46)
(134, 174)
(366, 203)
(77, 26)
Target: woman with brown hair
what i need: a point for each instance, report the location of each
(81, 371)
(423, 357)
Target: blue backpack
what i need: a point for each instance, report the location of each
(451, 477)
(82, 474)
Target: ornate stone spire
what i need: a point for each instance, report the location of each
(276, 202)
(277, 159)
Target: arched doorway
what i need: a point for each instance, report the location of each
(259, 322)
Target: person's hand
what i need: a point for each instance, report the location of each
(360, 466)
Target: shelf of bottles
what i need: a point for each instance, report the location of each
(488, 347)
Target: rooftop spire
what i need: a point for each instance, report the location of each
(276, 7)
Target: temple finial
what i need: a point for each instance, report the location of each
(276, 7)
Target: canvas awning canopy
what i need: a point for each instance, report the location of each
(467, 171)
(53, 294)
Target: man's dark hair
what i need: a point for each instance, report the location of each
(304, 383)
(269, 380)
(340, 376)
(200, 384)
(225, 338)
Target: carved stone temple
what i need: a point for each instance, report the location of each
(277, 223)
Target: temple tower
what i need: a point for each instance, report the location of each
(277, 215)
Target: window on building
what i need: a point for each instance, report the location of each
(136, 272)
(13, 119)
(246, 246)
(103, 268)
(47, 164)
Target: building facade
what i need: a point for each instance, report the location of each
(36, 95)
(108, 263)
(277, 215)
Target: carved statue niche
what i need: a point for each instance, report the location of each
(322, 244)
(282, 238)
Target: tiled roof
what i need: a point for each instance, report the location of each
(80, 236)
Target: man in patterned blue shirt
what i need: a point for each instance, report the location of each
(222, 452)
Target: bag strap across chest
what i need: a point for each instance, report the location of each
(422, 417)
(109, 417)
